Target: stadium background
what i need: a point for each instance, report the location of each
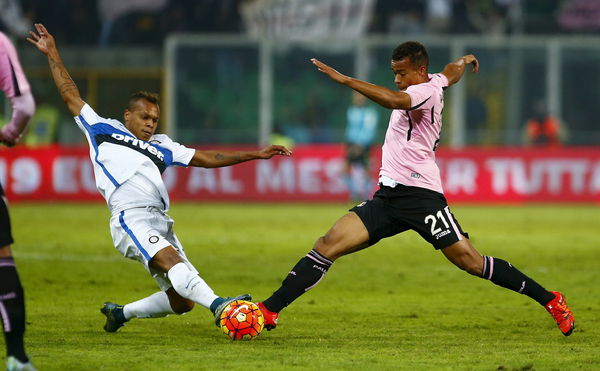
(227, 79)
(232, 72)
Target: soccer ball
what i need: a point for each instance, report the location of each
(242, 320)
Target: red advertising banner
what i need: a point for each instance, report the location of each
(313, 173)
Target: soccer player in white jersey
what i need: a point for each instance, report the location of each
(410, 194)
(128, 160)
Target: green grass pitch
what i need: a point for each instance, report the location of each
(396, 305)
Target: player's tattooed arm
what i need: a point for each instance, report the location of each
(69, 92)
(211, 159)
(454, 71)
(225, 157)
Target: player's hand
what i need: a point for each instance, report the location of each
(332, 73)
(274, 150)
(42, 39)
(7, 140)
(471, 59)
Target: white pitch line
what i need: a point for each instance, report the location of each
(66, 257)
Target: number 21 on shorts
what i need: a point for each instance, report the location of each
(437, 220)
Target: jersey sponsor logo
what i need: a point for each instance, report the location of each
(158, 156)
(139, 143)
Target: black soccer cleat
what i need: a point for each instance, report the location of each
(115, 319)
(223, 305)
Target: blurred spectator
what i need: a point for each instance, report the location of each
(43, 125)
(476, 110)
(11, 16)
(402, 17)
(438, 15)
(112, 10)
(487, 16)
(150, 21)
(543, 129)
(540, 16)
(314, 118)
(279, 137)
(360, 134)
(580, 15)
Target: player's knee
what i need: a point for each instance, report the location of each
(183, 280)
(325, 247)
(182, 306)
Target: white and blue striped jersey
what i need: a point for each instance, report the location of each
(128, 170)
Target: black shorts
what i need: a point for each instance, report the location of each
(398, 209)
(5, 234)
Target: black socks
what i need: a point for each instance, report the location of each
(502, 273)
(12, 309)
(309, 271)
(305, 275)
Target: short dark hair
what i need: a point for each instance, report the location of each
(414, 51)
(145, 95)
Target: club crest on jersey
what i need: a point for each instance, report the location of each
(139, 143)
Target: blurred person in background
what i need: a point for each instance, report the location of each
(360, 134)
(278, 136)
(15, 86)
(43, 126)
(543, 129)
(11, 16)
(129, 159)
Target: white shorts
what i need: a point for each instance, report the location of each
(140, 233)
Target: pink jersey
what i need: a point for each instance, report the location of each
(12, 79)
(408, 151)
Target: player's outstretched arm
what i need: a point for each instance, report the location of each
(69, 92)
(378, 94)
(454, 71)
(211, 159)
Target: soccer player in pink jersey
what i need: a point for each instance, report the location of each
(12, 301)
(410, 194)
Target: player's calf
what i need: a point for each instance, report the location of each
(305, 275)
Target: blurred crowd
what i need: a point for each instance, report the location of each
(109, 22)
(316, 116)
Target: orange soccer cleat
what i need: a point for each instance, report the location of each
(270, 317)
(561, 313)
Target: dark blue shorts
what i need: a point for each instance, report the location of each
(398, 209)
